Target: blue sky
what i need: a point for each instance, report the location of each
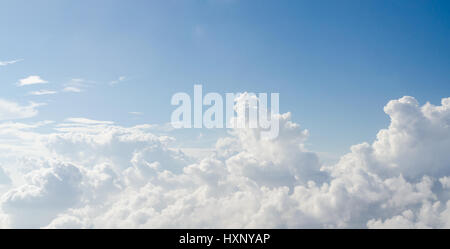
(334, 63)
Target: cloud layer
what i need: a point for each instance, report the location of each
(95, 174)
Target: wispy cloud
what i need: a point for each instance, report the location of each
(76, 85)
(72, 89)
(31, 80)
(11, 110)
(136, 113)
(43, 92)
(117, 81)
(88, 121)
(6, 63)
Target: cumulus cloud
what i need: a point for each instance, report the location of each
(47, 192)
(31, 80)
(96, 174)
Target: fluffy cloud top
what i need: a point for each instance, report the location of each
(94, 174)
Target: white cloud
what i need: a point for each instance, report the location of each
(43, 92)
(11, 110)
(67, 222)
(96, 174)
(88, 121)
(445, 181)
(117, 81)
(4, 178)
(6, 63)
(77, 85)
(72, 89)
(47, 191)
(31, 80)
